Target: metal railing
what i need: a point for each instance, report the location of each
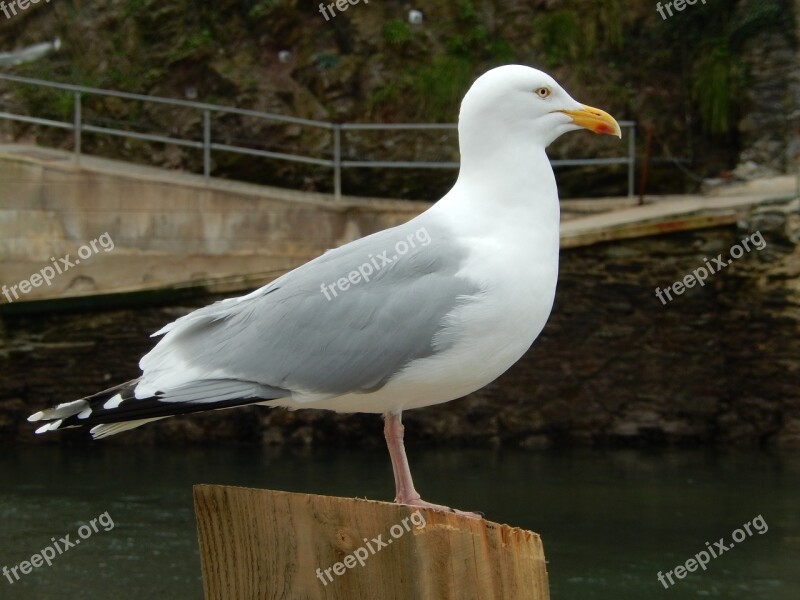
(336, 162)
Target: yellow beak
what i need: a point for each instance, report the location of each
(595, 120)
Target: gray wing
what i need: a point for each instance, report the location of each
(294, 336)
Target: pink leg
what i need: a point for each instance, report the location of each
(406, 494)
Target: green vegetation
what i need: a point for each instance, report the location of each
(132, 7)
(261, 8)
(46, 103)
(717, 77)
(397, 32)
(715, 88)
(558, 33)
(325, 61)
(466, 10)
(371, 64)
(440, 85)
(383, 96)
(574, 33)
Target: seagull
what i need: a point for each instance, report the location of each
(411, 316)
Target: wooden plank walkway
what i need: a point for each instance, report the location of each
(662, 215)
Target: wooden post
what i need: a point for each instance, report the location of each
(263, 544)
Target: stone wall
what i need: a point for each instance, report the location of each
(717, 365)
(770, 126)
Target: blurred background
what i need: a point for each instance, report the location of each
(220, 144)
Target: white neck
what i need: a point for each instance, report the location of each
(509, 187)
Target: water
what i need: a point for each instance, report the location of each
(610, 520)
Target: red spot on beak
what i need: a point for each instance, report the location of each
(603, 128)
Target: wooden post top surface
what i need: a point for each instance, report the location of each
(265, 544)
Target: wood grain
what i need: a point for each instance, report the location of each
(266, 544)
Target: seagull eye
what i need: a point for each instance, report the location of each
(543, 92)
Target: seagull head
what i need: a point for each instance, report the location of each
(516, 102)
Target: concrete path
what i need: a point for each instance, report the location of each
(176, 231)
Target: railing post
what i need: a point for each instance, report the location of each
(76, 124)
(631, 159)
(337, 161)
(206, 144)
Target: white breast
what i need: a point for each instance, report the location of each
(513, 258)
(495, 329)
